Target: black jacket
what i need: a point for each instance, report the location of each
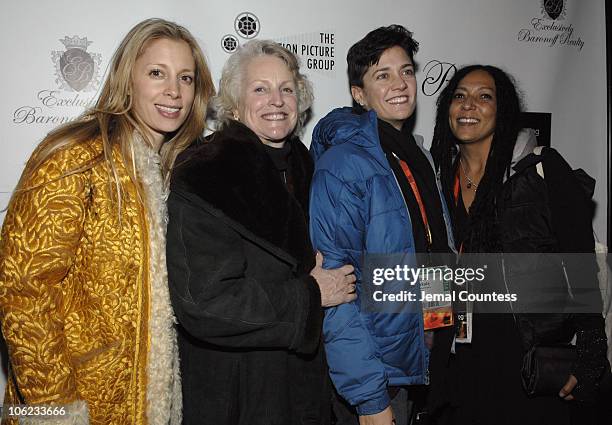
(238, 260)
(541, 220)
(554, 215)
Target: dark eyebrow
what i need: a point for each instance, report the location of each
(387, 68)
(479, 88)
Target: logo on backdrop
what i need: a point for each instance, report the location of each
(435, 75)
(75, 68)
(229, 43)
(77, 76)
(555, 9)
(551, 28)
(247, 25)
(316, 50)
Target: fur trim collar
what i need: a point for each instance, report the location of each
(164, 398)
(232, 172)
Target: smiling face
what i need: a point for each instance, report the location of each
(163, 86)
(389, 87)
(473, 108)
(268, 100)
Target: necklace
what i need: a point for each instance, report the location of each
(470, 182)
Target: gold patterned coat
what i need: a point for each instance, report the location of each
(84, 300)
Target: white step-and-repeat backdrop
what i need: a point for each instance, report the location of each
(554, 48)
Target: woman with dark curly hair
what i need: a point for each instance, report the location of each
(493, 183)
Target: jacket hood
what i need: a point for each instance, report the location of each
(339, 126)
(525, 143)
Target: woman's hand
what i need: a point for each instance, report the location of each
(337, 286)
(566, 391)
(383, 418)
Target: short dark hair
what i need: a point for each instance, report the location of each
(367, 51)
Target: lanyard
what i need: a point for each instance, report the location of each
(419, 200)
(456, 189)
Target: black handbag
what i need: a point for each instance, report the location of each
(546, 369)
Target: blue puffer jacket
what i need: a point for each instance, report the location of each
(357, 207)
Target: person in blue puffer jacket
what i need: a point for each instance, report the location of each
(374, 191)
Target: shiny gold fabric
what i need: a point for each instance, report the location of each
(74, 290)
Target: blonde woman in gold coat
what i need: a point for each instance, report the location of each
(84, 299)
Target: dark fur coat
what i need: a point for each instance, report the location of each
(238, 261)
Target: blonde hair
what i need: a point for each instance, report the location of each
(230, 86)
(113, 120)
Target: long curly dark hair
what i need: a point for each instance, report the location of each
(483, 232)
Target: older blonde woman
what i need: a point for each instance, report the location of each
(244, 281)
(84, 300)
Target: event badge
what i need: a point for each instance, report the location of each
(436, 298)
(463, 313)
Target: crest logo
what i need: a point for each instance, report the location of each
(247, 25)
(229, 43)
(75, 68)
(555, 9)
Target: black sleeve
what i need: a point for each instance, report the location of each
(572, 223)
(570, 206)
(215, 300)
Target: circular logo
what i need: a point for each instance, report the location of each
(247, 25)
(229, 43)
